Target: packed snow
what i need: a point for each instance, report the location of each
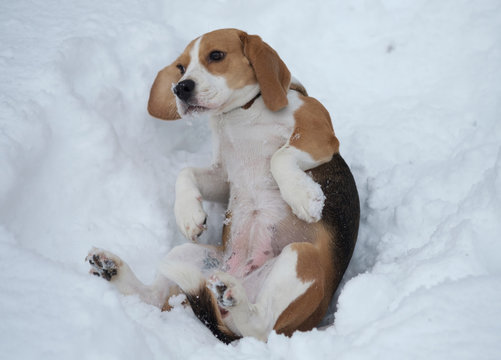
(414, 90)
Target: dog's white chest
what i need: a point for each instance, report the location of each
(246, 141)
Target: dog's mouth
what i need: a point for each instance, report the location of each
(188, 108)
(195, 109)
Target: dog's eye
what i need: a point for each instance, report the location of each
(216, 56)
(181, 68)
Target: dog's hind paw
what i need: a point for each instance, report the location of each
(103, 263)
(227, 290)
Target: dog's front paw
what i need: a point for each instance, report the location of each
(227, 290)
(190, 217)
(103, 263)
(306, 200)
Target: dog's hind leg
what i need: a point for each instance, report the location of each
(188, 265)
(292, 297)
(110, 267)
(200, 258)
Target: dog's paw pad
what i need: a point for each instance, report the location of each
(103, 264)
(225, 290)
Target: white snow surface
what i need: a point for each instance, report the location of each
(414, 90)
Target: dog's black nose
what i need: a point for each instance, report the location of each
(184, 89)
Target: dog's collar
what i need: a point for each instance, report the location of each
(294, 86)
(249, 104)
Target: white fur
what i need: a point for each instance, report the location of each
(192, 185)
(190, 215)
(304, 196)
(186, 275)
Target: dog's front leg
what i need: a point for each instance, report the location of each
(192, 186)
(298, 189)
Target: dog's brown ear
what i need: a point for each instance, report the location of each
(271, 72)
(162, 102)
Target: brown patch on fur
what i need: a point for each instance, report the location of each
(271, 72)
(315, 263)
(313, 131)
(235, 67)
(316, 253)
(162, 101)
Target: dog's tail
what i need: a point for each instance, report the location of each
(203, 303)
(297, 86)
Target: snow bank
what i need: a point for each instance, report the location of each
(414, 89)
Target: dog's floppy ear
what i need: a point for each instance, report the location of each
(271, 72)
(162, 102)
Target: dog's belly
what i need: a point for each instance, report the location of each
(261, 225)
(256, 208)
(254, 218)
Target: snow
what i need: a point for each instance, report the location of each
(414, 90)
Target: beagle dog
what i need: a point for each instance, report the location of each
(292, 205)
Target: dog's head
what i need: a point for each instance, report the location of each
(218, 72)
